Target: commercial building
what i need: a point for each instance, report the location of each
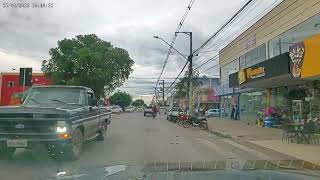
(204, 95)
(275, 63)
(10, 89)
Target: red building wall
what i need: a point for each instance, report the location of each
(9, 95)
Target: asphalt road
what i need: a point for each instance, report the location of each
(133, 139)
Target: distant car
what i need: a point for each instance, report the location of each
(173, 114)
(129, 109)
(116, 109)
(139, 109)
(147, 111)
(163, 110)
(212, 113)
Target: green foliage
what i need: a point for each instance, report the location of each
(138, 102)
(182, 87)
(88, 61)
(122, 99)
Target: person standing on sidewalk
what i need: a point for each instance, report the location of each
(237, 112)
(232, 112)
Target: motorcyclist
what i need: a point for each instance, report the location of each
(154, 110)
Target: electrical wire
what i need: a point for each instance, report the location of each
(207, 61)
(243, 16)
(185, 65)
(210, 68)
(221, 44)
(224, 25)
(239, 29)
(174, 38)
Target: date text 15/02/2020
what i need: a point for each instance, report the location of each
(26, 5)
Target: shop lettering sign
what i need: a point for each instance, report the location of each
(296, 53)
(242, 77)
(253, 73)
(250, 73)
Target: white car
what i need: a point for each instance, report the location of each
(163, 110)
(212, 113)
(139, 109)
(116, 109)
(129, 109)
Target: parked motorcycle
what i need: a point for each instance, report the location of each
(200, 122)
(182, 118)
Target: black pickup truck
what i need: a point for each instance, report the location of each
(59, 117)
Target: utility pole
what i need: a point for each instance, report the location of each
(163, 92)
(190, 57)
(155, 93)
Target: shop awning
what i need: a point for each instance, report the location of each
(279, 81)
(274, 72)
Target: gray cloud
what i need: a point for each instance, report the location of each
(125, 23)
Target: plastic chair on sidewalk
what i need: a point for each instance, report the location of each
(288, 132)
(310, 130)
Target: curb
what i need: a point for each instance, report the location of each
(222, 134)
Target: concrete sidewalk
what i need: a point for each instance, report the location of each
(269, 138)
(242, 129)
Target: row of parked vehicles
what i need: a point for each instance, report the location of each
(176, 115)
(118, 109)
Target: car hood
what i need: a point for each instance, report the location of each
(33, 111)
(164, 171)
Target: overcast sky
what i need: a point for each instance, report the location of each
(28, 33)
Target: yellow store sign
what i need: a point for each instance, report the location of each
(250, 73)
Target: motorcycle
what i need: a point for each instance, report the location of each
(182, 118)
(200, 122)
(154, 114)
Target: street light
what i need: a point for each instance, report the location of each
(157, 37)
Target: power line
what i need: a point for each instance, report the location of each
(224, 25)
(175, 37)
(231, 35)
(242, 27)
(210, 68)
(185, 65)
(207, 61)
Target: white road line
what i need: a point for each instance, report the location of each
(244, 148)
(218, 148)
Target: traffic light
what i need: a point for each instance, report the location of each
(25, 77)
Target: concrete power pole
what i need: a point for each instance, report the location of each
(190, 75)
(190, 71)
(163, 92)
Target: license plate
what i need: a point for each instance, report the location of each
(17, 143)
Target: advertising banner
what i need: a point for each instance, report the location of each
(305, 58)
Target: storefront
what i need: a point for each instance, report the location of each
(305, 65)
(289, 84)
(227, 99)
(264, 85)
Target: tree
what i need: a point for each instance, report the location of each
(182, 87)
(122, 99)
(88, 61)
(138, 102)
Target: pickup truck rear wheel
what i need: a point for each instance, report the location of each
(102, 132)
(74, 149)
(6, 153)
